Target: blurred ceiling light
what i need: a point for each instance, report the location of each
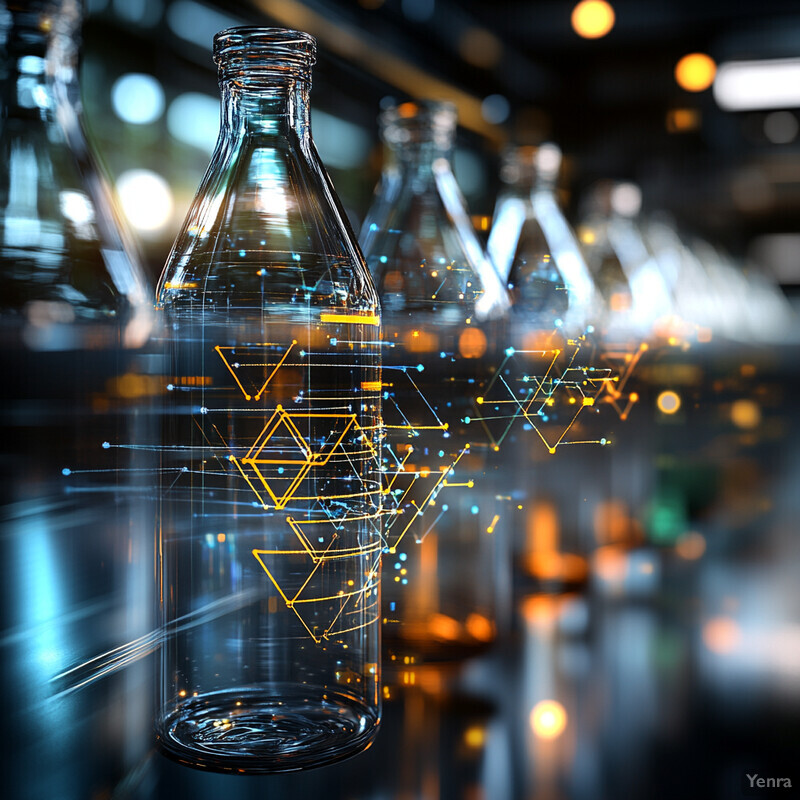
(495, 109)
(137, 98)
(197, 23)
(146, 199)
(193, 118)
(781, 127)
(668, 402)
(548, 719)
(695, 72)
(480, 47)
(592, 19)
(680, 120)
(418, 10)
(749, 85)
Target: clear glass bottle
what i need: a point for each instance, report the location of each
(637, 297)
(534, 248)
(441, 299)
(270, 529)
(75, 314)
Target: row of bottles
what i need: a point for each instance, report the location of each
(325, 412)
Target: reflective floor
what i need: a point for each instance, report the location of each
(671, 671)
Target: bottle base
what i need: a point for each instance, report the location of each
(258, 730)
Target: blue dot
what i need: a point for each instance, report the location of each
(296, 256)
(106, 445)
(420, 368)
(404, 581)
(66, 471)
(602, 441)
(474, 509)
(242, 253)
(386, 395)
(445, 507)
(397, 565)
(441, 453)
(403, 556)
(443, 354)
(334, 341)
(590, 329)
(383, 259)
(373, 227)
(559, 323)
(263, 242)
(467, 420)
(302, 353)
(510, 351)
(280, 470)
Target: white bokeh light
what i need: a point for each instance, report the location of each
(146, 199)
(137, 98)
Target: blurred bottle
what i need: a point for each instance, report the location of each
(637, 298)
(270, 533)
(441, 300)
(534, 248)
(75, 313)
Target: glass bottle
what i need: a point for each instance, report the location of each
(269, 535)
(75, 314)
(534, 248)
(547, 377)
(637, 297)
(441, 299)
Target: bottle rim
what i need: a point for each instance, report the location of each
(253, 47)
(419, 121)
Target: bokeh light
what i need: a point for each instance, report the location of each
(592, 19)
(548, 719)
(146, 199)
(668, 402)
(137, 98)
(695, 72)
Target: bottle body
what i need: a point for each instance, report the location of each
(270, 506)
(440, 297)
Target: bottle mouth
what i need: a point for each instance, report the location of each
(419, 121)
(245, 49)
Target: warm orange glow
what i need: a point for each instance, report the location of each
(472, 343)
(619, 301)
(721, 635)
(746, 414)
(548, 719)
(680, 120)
(480, 628)
(220, 537)
(407, 109)
(668, 402)
(422, 342)
(691, 546)
(592, 19)
(695, 72)
(440, 626)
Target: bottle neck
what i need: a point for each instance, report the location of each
(266, 108)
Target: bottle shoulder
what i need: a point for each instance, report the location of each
(266, 226)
